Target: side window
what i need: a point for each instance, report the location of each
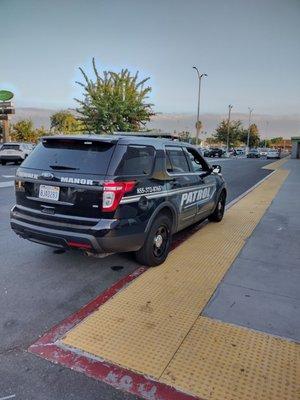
(136, 160)
(198, 164)
(176, 160)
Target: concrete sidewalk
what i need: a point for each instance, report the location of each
(261, 290)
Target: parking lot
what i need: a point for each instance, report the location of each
(41, 286)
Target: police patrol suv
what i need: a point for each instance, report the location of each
(107, 194)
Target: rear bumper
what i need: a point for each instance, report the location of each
(11, 158)
(106, 236)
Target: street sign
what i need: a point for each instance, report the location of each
(4, 104)
(7, 111)
(6, 95)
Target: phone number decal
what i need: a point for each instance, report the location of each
(149, 189)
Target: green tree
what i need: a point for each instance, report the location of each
(64, 122)
(114, 102)
(276, 140)
(235, 129)
(24, 131)
(254, 138)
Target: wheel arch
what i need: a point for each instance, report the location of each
(164, 208)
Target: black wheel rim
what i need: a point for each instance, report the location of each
(161, 241)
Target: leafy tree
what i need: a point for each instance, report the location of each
(64, 122)
(235, 129)
(185, 136)
(114, 102)
(276, 140)
(253, 136)
(211, 140)
(24, 131)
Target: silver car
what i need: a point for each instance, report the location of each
(14, 152)
(273, 153)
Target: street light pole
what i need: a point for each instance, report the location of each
(248, 135)
(200, 76)
(228, 126)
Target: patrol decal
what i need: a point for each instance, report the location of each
(195, 196)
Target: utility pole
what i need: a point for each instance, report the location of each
(228, 126)
(267, 130)
(198, 125)
(248, 135)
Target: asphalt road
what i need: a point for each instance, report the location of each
(39, 288)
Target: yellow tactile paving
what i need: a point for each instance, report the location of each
(219, 361)
(142, 327)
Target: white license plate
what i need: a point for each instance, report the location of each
(49, 192)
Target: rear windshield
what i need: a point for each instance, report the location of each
(10, 147)
(71, 155)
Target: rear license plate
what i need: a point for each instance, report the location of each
(49, 192)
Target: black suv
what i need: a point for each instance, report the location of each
(213, 152)
(106, 194)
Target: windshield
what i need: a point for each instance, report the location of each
(71, 155)
(10, 147)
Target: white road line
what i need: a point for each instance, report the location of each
(6, 184)
(8, 176)
(8, 397)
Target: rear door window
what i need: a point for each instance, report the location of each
(83, 156)
(176, 160)
(136, 160)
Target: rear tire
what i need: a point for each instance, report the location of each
(157, 244)
(218, 213)
(3, 162)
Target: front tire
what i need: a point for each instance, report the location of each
(157, 244)
(218, 213)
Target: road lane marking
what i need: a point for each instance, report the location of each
(6, 184)
(8, 397)
(8, 176)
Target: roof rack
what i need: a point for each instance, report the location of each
(160, 135)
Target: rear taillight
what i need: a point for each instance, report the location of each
(113, 193)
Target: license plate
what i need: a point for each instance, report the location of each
(49, 192)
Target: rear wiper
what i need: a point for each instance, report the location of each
(63, 167)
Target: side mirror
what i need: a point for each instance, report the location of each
(216, 169)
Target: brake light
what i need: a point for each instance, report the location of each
(113, 193)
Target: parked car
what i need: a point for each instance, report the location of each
(14, 152)
(263, 152)
(273, 153)
(240, 152)
(107, 194)
(214, 152)
(253, 153)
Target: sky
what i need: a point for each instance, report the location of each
(250, 50)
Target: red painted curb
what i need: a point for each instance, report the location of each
(112, 374)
